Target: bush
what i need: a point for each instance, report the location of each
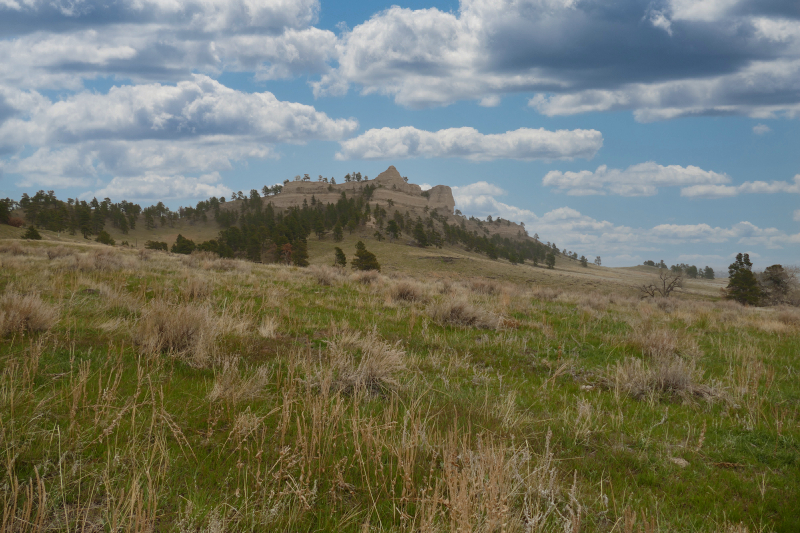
(20, 313)
(181, 329)
(407, 291)
(104, 238)
(16, 222)
(462, 313)
(183, 245)
(31, 234)
(156, 245)
(339, 259)
(365, 260)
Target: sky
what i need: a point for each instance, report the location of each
(632, 130)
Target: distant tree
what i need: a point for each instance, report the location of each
(550, 260)
(777, 283)
(156, 245)
(319, 227)
(598, 261)
(708, 273)
(676, 269)
(365, 260)
(393, 229)
(183, 245)
(32, 234)
(104, 238)
(667, 282)
(691, 272)
(742, 283)
(300, 253)
(351, 225)
(286, 253)
(339, 259)
(5, 210)
(419, 235)
(338, 234)
(378, 235)
(584, 261)
(649, 263)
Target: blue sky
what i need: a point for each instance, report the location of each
(628, 129)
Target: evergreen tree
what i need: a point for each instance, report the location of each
(300, 253)
(32, 234)
(104, 238)
(319, 227)
(338, 234)
(183, 245)
(365, 260)
(708, 273)
(393, 229)
(742, 284)
(339, 259)
(419, 234)
(584, 261)
(550, 260)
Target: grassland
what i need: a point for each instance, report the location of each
(151, 392)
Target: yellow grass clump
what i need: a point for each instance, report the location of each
(19, 313)
(459, 312)
(179, 329)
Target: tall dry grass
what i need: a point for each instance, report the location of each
(184, 330)
(25, 313)
(363, 363)
(454, 311)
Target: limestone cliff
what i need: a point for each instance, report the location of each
(389, 184)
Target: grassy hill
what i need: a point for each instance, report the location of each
(148, 391)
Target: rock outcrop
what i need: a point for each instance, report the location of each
(389, 184)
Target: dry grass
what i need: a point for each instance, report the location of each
(366, 277)
(104, 261)
(545, 294)
(658, 343)
(407, 291)
(269, 327)
(326, 275)
(179, 329)
(12, 248)
(195, 287)
(364, 363)
(670, 376)
(485, 286)
(20, 313)
(459, 312)
(59, 251)
(230, 386)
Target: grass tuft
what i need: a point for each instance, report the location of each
(20, 313)
(459, 312)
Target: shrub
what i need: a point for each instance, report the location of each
(367, 277)
(13, 248)
(59, 251)
(156, 245)
(183, 245)
(32, 234)
(104, 238)
(325, 275)
(667, 375)
(484, 286)
(365, 260)
(20, 313)
(365, 363)
(459, 312)
(339, 259)
(407, 291)
(177, 329)
(16, 222)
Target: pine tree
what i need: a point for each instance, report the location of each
(393, 229)
(419, 234)
(32, 234)
(365, 260)
(300, 253)
(339, 259)
(742, 285)
(104, 238)
(584, 261)
(338, 234)
(550, 260)
(183, 245)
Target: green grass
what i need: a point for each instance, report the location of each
(485, 429)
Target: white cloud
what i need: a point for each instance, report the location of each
(157, 187)
(573, 230)
(194, 126)
(761, 129)
(748, 187)
(469, 143)
(642, 179)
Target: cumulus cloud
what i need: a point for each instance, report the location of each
(761, 129)
(663, 60)
(157, 187)
(59, 44)
(643, 179)
(469, 143)
(197, 125)
(574, 230)
(748, 187)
